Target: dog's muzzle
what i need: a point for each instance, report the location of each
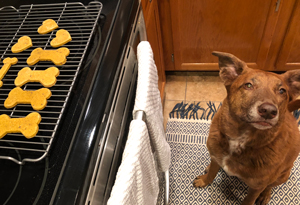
(267, 111)
(263, 115)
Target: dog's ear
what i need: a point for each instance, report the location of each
(292, 79)
(230, 67)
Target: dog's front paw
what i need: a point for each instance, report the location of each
(264, 198)
(201, 181)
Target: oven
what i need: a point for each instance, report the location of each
(74, 157)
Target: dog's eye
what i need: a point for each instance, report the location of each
(282, 91)
(248, 86)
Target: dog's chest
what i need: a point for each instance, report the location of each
(237, 145)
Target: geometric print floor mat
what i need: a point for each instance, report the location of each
(189, 158)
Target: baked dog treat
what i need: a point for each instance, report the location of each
(28, 126)
(23, 43)
(37, 98)
(47, 26)
(46, 77)
(62, 37)
(8, 62)
(254, 136)
(58, 57)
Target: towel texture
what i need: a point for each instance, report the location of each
(148, 99)
(146, 149)
(136, 180)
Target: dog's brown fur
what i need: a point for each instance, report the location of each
(257, 147)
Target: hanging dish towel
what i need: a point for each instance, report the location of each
(136, 181)
(148, 100)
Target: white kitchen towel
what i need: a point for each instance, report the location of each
(136, 181)
(148, 100)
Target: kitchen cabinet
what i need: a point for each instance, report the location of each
(152, 21)
(265, 34)
(289, 52)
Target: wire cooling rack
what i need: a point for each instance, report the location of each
(80, 21)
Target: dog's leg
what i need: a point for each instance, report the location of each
(264, 196)
(252, 196)
(206, 169)
(204, 180)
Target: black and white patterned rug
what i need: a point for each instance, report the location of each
(189, 158)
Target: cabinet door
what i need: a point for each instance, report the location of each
(243, 28)
(289, 52)
(154, 37)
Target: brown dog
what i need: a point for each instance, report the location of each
(254, 136)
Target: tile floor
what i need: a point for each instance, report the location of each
(191, 86)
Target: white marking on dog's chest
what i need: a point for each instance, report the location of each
(238, 144)
(235, 146)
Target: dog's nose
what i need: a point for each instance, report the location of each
(267, 111)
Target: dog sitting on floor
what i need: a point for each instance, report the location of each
(254, 136)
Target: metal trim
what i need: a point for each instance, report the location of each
(140, 115)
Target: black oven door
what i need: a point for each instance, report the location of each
(119, 118)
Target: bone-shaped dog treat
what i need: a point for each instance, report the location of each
(46, 77)
(47, 26)
(23, 43)
(28, 126)
(37, 98)
(8, 62)
(58, 57)
(62, 37)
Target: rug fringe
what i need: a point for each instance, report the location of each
(195, 110)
